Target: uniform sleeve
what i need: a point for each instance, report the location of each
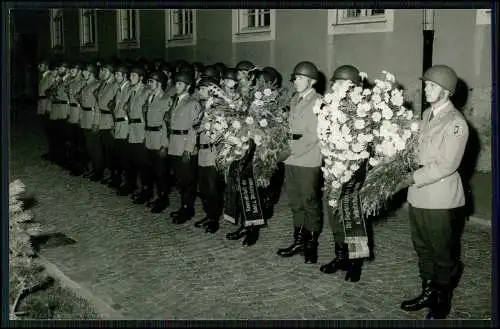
(95, 106)
(191, 137)
(309, 138)
(449, 156)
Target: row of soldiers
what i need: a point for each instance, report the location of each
(136, 122)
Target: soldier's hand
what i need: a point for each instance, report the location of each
(163, 152)
(95, 128)
(186, 156)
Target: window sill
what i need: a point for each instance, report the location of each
(180, 43)
(128, 45)
(254, 36)
(360, 25)
(57, 49)
(88, 48)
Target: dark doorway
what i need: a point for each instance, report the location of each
(24, 68)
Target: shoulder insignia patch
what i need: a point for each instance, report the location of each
(458, 130)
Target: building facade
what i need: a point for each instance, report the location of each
(373, 40)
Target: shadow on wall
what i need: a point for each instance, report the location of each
(471, 154)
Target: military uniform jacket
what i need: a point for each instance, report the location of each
(105, 102)
(170, 91)
(74, 89)
(120, 111)
(88, 103)
(305, 151)
(138, 98)
(441, 147)
(156, 135)
(46, 81)
(183, 117)
(206, 152)
(60, 99)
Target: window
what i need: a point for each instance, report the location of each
(483, 16)
(56, 29)
(254, 25)
(128, 28)
(180, 25)
(88, 29)
(348, 21)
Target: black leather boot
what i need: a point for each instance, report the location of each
(441, 305)
(183, 215)
(202, 222)
(354, 269)
(252, 236)
(297, 246)
(125, 190)
(311, 248)
(238, 234)
(339, 262)
(144, 196)
(96, 177)
(116, 180)
(160, 204)
(458, 270)
(422, 301)
(212, 225)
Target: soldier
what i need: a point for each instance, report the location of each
(210, 182)
(46, 81)
(436, 196)
(136, 152)
(303, 166)
(103, 152)
(156, 141)
(230, 83)
(58, 115)
(341, 260)
(88, 103)
(185, 112)
(198, 72)
(120, 132)
(168, 71)
(222, 70)
(77, 139)
(246, 76)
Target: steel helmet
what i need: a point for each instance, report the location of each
(207, 81)
(347, 72)
(230, 74)
(198, 67)
(211, 72)
(244, 66)
(64, 64)
(122, 69)
(92, 69)
(221, 67)
(110, 67)
(77, 65)
(270, 71)
(185, 76)
(138, 70)
(443, 75)
(307, 69)
(157, 76)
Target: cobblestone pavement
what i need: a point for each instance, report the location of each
(148, 268)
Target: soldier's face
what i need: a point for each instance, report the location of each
(134, 78)
(42, 67)
(203, 92)
(61, 70)
(301, 83)
(105, 74)
(86, 74)
(433, 92)
(119, 77)
(180, 87)
(73, 71)
(242, 76)
(153, 84)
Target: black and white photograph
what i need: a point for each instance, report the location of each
(250, 164)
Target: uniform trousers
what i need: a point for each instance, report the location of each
(135, 164)
(46, 123)
(156, 172)
(94, 149)
(107, 144)
(78, 153)
(186, 178)
(303, 186)
(211, 186)
(57, 139)
(436, 235)
(119, 157)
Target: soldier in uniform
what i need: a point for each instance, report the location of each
(185, 113)
(120, 133)
(221, 68)
(436, 195)
(156, 141)
(136, 152)
(168, 71)
(245, 75)
(103, 154)
(341, 260)
(303, 166)
(45, 83)
(210, 181)
(58, 115)
(77, 139)
(198, 72)
(88, 104)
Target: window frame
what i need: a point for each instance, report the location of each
(88, 46)
(338, 24)
(239, 34)
(131, 43)
(483, 16)
(183, 40)
(59, 14)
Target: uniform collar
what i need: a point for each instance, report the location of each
(438, 109)
(124, 84)
(304, 95)
(184, 95)
(44, 74)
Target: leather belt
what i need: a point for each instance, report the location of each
(73, 104)
(59, 102)
(121, 119)
(180, 132)
(294, 136)
(205, 146)
(134, 120)
(105, 111)
(86, 108)
(154, 128)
